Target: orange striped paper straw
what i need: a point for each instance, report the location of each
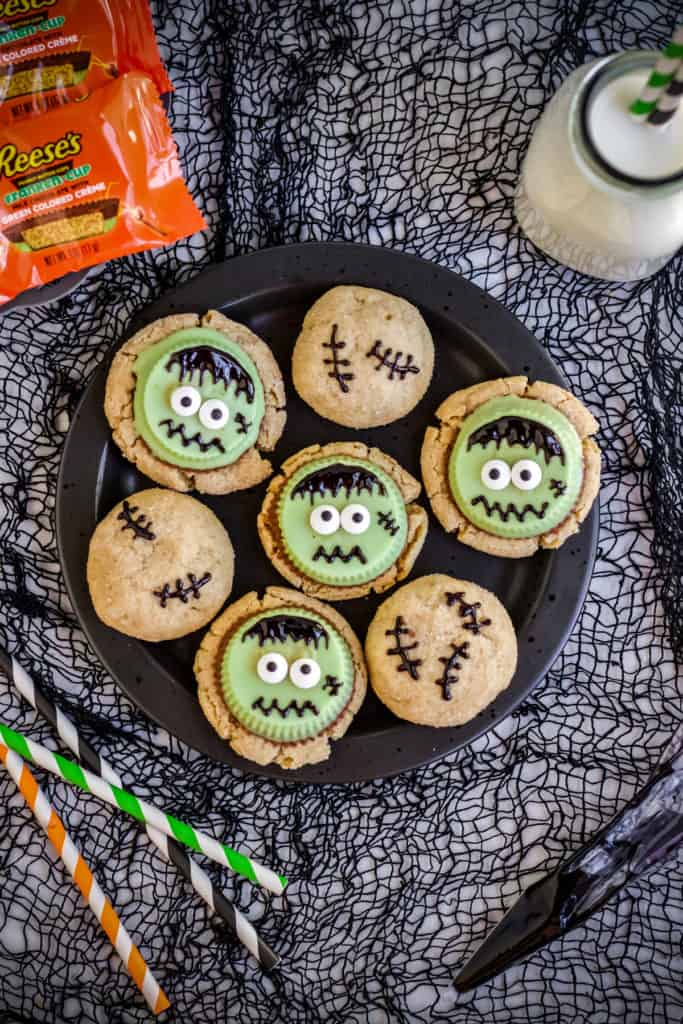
(83, 877)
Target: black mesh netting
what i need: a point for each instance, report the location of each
(402, 124)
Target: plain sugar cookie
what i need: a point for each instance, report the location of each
(439, 650)
(363, 358)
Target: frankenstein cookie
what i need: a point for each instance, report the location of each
(193, 401)
(512, 466)
(160, 565)
(339, 521)
(439, 650)
(280, 676)
(364, 357)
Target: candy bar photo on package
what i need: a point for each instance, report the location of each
(54, 52)
(85, 220)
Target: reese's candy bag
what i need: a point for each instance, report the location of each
(89, 182)
(54, 51)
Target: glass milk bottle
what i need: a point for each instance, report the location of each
(600, 191)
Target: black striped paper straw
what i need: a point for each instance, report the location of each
(660, 78)
(169, 848)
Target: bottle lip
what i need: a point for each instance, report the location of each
(619, 63)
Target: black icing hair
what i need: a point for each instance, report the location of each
(280, 628)
(521, 431)
(218, 364)
(337, 477)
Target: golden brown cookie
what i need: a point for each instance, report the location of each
(160, 565)
(193, 401)
(512, 466)
(288, 666)
(339, 521)
(439, 650)
(363, 358)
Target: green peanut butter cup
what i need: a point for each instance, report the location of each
(342, 520)
(516, 467)
(287, 674)
(198, 399)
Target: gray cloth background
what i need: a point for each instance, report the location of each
(400, 124)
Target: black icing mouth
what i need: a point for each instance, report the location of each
(179, 428)
(298, 708)
(337, 555)
(510, 510)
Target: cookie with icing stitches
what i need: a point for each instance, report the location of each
(194, 401)
(340, 521)
(160, 565)
(439, 650)
(363, 358)
(280, 676)
(512, 466)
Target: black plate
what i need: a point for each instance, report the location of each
(270, 291)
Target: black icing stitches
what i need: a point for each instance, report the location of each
(518, 430)
(452, 666)
(393, 364)
(243, 423)
(408, 664)
(179, 428)
(337, 362)
(219, 365)
(280, 628)
(332, 685)
(294, 705)
(337, 555)
(140, 527)
(183, 591)
(511, 509)
(558, 488)
(388, 522)
(467, 611)
(338, 477)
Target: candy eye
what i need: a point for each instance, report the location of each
(214, 414)
(324, 519)
(526, 475)
(185, 401)
(272, 668)
(495, 474)
(355, 519)
(304, 673)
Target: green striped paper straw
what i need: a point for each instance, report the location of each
(170, 849)
(660, 77)
(140, 810)
(669, 101)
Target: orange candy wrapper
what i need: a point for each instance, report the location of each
(56, 51)
(89, 182)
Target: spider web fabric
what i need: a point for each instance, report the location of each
(399, 124)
